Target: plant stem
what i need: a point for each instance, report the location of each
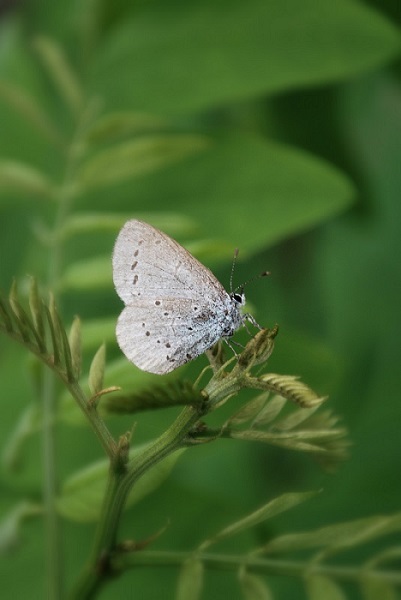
(96, 422)
(53, 537)
(119, 485)
(256, 564)
(53, 544)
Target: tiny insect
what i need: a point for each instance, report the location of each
(175, 308)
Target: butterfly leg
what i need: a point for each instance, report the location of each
(230, 345)
(251, 319)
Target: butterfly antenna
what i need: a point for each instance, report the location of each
(241, 287)
(232, 269)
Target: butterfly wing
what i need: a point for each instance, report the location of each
(175, 307)
(147, 263)
(161, 338)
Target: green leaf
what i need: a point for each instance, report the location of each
(190, 581)
(55, 327)
(292, 389)
(70, 366)
(212, 53)
(138, 157)
(75, 342)
(210, 250)
(23, 179)
(375, 588)
(253, 587)
(61, 346)
(303, 441)
(83, 223)
(29, 422)
(31, 111)
(96, 370)
(249, 192)
(10, 526)
(90, 274)
(60, 71)
(387, 555)
(249, 411)
(360, 532)
(174, 393)
(270, 411)
(37, 312)
(339, 536)
(320, 587)
(82, 494)
(6, 315)
(296, 418)
(112, 126)
(20, 317)
(267, 511)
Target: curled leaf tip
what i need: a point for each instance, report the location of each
(258, 349)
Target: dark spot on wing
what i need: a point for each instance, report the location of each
(136, 252)
(168, 345)
(148, 333)
(134, 264)
(135, 280)
(157, 302)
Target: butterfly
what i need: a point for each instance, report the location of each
(175, 308)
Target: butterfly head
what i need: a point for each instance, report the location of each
(238, 297)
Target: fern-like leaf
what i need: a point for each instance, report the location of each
(301, 429)
(291, 388)
(39, 329)
(175, 393)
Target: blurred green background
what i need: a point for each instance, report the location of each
(272, 126)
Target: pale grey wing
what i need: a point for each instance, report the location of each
(159, 338)
(147, 263)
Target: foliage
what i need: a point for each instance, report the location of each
(110, 114)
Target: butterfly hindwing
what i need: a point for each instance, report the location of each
(158, 340)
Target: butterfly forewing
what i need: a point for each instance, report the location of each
(147, 262)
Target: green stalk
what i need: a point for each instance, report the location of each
(52, 529)
(53, 544)
(120, 483)
(54, 562)
(263, 566)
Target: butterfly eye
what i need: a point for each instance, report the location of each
(239, 298)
